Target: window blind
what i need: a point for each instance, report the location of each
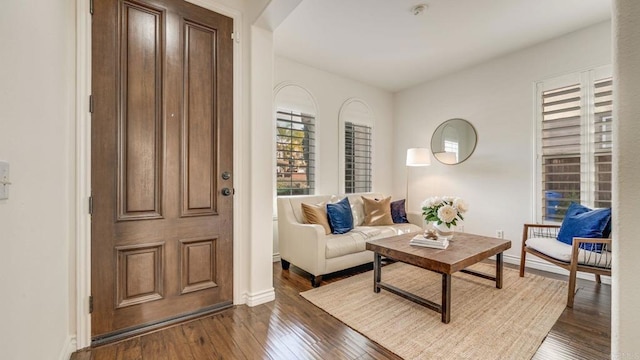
(576, 146)
(561, 138)
(357, 158)
(603, 104)
(295, 153)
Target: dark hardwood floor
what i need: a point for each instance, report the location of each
(292, 328)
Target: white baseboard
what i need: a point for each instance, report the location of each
(261, 297)
(68, 348)
(545, 266)
(276, 257)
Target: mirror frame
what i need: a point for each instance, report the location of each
(435, 142)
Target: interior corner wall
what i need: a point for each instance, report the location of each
(626, 175)
(497, 97)
(261, 184)
(37, 222)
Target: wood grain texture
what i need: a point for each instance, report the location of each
(139, 274)
(199, 129)
(198, 260)
(291, 323)
(140, 112)
(138, 160)
(464, 250)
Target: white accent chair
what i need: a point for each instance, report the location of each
(540, 240)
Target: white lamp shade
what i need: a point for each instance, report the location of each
(418, 157)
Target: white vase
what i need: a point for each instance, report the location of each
(443, 231)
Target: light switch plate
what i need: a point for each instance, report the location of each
(4, 178)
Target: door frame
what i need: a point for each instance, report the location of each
(83, 162)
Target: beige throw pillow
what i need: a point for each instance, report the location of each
(316, 214)
(377, 212)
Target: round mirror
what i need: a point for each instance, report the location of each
(453, 141)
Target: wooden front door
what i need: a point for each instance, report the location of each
(162, 158)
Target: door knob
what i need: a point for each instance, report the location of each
(226, 175)
(227, 191)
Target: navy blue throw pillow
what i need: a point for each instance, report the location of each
(398, 213)
(340, 217)
(580, 221)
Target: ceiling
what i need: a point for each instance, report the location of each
(382, 43)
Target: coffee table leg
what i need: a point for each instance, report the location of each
(376, 272)
(499, 267)
(446, 298)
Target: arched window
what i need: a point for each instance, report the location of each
(356, 122)
(295, 140)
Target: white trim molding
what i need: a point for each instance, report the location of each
(68, 348)
(83, 175)
(261, 297)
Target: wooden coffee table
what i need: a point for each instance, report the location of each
(464, 250)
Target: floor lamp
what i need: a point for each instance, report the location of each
(416, 157)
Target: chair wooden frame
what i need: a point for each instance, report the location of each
(573, 266)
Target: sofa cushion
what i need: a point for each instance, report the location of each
(580, 221)
(377, 212)
(316, 214)
(355, 241)
(405, 228)
(357, 209)
(340, 217)
(398, 212)
(344, 244)
(562, 251)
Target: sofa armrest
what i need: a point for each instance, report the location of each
(416, 218)
(303, 245)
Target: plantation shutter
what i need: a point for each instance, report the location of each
(575, 141)
(295, 153)
(561, 145)
(602, 125)
(357, 158)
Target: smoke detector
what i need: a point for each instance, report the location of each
(419, 9)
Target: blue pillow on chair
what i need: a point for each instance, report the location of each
(580, 221)
(340, 216)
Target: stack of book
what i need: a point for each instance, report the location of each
(420, 240)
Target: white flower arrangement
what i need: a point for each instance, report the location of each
(446, 209)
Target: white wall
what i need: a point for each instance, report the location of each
(497, 97)
(330, 91)
(626, 176)
(37, 92)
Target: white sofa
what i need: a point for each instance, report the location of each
(307, 247)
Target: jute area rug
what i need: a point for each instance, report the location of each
(486, 323)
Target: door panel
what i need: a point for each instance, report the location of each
(199, 121)
(140, 115)
(162, 239)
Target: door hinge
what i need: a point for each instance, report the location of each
(91, 104)
(90, 205)
(91, 7)
(235, 36)
(91, 304)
